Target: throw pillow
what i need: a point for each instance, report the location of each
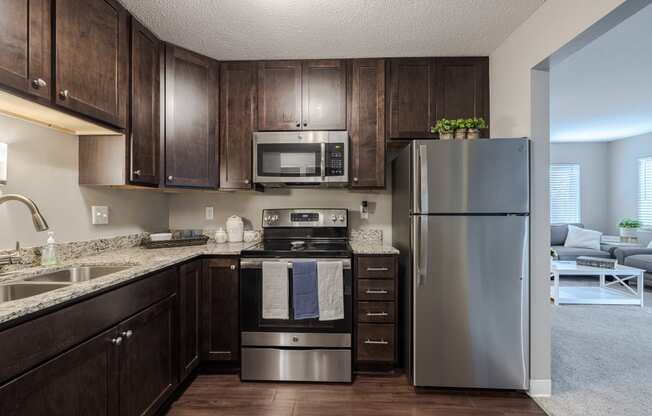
(582, 238)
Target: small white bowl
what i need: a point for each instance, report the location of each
(160, 236)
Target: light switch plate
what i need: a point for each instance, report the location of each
(209, 213)
(100, 215)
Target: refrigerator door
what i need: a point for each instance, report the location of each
(470, 309)
(471, 176)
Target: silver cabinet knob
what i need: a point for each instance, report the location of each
(246, 181)
(355, 179)
(232, 267)
(64, 94)
(137, 172)
(170, 178)
(127, 334)
(116, 341)
(39, 83)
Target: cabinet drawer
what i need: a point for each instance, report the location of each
(376, 267)
(375, 289)
(376, 312)
(375, 342)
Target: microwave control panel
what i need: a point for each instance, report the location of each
(335, 159)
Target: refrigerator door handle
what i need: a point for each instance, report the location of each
(420, 249)
(416, 179)
(423, 179)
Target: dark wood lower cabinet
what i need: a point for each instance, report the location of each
(190, 277)
(220, 310)
(148, 371)
(82, 381)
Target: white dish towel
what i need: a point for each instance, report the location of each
(276, 304)
(331, 290)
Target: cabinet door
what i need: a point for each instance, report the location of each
(82, 381)
(145, 127)
(368, 123)
(237, 123)
(279, 95)
(92, 58)
(148, 366)
(462, 87)
(324, 95)
(189, 284)
(220, 312)
(411, 101)
(191, 117)
(25, 46)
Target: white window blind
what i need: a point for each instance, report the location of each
(565, 193)
(645, 191)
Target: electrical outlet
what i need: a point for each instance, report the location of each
(100, 215)
(209, 213)
(364, 210)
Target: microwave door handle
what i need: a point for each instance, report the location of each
(323, 161)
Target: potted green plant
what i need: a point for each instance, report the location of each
(629, 227)
(460, 128)
(444, 127)
(474, 125)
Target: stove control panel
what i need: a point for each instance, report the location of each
(305, 218)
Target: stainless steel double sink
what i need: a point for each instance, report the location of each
(46, 282)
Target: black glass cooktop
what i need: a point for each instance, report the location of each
(299, 248)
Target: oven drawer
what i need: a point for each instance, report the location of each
(375, 267)
(376, 312)
(375, 289)
(375, 342)
(272, 364)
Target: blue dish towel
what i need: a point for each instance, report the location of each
(305, 298)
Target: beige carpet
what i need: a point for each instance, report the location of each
(601, 360)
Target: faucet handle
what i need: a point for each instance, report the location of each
(17, 246)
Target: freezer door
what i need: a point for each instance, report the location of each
(471, 176)
(470, 309)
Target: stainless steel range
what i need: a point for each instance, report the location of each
(296, 349)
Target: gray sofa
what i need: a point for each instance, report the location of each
(558, 234)
(640, 258)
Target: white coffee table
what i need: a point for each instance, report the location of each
(616, 292)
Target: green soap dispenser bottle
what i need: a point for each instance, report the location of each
(49, 253)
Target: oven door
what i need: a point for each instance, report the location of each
(251, 300)
(300, 157)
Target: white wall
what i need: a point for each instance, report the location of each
(43, 166)
(594, 179)
(554, 24)
(187, 209)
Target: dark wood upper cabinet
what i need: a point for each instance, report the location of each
(237, 123)
(367, 127)
(148, 370)
(83, 380)
(411, 98)
(25, 46)
(220, 337)
(189, 291)
(144, 127)
(92, 59)
(279, 95)
(462, 87)
(324, 95)
(191, 119)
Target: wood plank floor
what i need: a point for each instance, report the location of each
(367, 396)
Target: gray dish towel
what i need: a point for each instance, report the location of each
(305, 290)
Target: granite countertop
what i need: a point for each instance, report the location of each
(141, 261)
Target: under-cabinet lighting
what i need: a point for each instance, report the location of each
(3, 163)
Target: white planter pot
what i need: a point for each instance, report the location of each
(628, 232)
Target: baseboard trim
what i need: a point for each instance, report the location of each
(540, 388)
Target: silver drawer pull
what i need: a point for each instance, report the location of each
(376, 292)
(377, 269)
(374, 342)
(377, 314)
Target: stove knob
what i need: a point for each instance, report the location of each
(333, 218)
(266, 219)
(341, 218)
(274, 218)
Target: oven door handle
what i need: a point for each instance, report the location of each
(258, 263)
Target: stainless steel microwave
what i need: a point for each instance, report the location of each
(290, 158)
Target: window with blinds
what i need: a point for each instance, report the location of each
(565, 193)
(645, 191)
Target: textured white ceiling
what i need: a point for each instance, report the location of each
(603, 92)
(273, 29)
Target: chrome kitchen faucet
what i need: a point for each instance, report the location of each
(39, 224)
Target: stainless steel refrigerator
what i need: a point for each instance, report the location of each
(461, 221)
